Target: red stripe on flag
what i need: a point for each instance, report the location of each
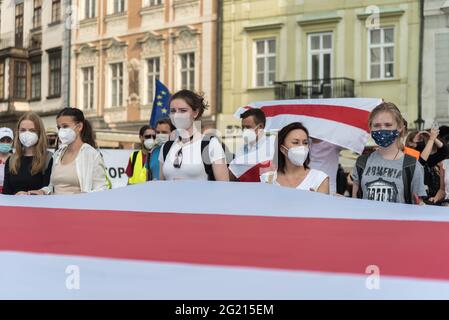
(253, 174)
(399, 248)
(347, 115)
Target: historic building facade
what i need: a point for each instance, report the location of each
(33, 59)
(287, 49)
(120, 47)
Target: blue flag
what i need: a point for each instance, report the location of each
(161, 108)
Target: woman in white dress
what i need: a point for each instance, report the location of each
(293, 162)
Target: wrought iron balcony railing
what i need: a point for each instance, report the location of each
(315, 89)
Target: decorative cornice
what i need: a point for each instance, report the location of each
(383, 13)
(319, 18)
(261, 27)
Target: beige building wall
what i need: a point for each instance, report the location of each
(142, 32)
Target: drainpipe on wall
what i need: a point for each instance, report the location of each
(66, 53)
(420, 122)
(219, 56)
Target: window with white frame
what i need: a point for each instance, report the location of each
(116, 70)
(90, 7)
(88, 88)
(381, 53)
(116, 6)
(187, 70)
(153, 73)
(265, 62)
(148, 3)
(320, 56)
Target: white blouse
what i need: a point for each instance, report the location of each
(192, 166)
(313, 180)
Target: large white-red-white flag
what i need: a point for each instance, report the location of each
(342, 122)
(217, 240)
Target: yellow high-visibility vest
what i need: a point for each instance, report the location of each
(139, 170)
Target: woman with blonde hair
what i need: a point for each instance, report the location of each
(388, 174)
(29, 168)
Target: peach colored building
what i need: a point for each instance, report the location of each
(119, 48)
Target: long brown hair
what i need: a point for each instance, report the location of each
(40, 149)
(282, 135)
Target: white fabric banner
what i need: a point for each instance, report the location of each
(116, 162)
(216, 240)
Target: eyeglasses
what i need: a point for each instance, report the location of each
(178, 159)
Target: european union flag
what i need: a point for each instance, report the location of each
(161, 108)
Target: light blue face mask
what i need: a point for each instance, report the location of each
(5, 147)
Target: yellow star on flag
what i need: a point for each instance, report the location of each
(163, 93)
(164, 110)
(159, 97)
(159, 104)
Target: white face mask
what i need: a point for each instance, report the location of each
(249, 136)
(28, 139)
(67, 135)
(181, 120)
(162, 138)
(298, 155)
(149, 143)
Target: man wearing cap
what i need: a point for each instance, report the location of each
(6, 139)
(52, 138)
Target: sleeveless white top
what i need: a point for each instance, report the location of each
(313, 180)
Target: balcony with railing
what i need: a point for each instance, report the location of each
(315, 89)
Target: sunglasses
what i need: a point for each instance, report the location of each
(149, 136)
(178, 159)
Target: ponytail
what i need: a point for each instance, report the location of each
(88, 134)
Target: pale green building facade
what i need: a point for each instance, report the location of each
(295, 49)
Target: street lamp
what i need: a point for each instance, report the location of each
(419, 124)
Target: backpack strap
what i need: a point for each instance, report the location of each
(133, 162)
(166, 149)
(361, 165)
(408, 172)
(206, 158)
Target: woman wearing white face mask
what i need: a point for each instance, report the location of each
(190, 156)
(78, 166)
(30, 166)
(293, 160)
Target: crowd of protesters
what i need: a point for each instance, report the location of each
(405, 167)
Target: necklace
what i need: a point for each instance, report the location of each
(396, 154)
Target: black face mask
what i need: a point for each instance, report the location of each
(420, 146)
